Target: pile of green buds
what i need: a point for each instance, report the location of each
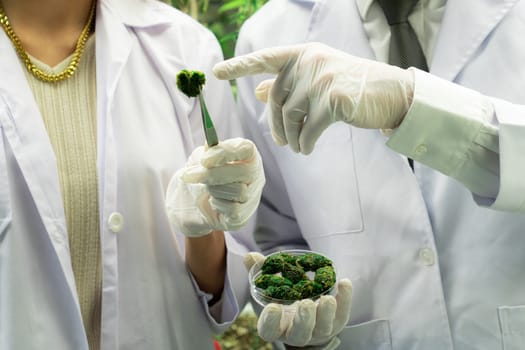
(284, 276)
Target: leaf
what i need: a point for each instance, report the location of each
(230, 5)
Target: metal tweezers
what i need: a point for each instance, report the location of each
(209, 128)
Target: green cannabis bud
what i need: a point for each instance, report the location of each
(190, 82)
(282, 292)
(264, 281)
(293, 273)
(273, 264)
(325, 276)
(311, 261)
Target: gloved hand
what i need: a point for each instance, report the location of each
(317, 85)
(306, 324)
(219, 188)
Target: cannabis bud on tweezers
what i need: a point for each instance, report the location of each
(191, 82)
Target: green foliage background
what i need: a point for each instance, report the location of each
(224, 18)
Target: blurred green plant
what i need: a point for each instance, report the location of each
(223, 18)
(236, 12)
(194, 8)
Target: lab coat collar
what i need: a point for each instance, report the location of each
(139, 13)
(465, 26)
(114, 43)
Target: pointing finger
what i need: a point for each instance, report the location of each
(270, 60)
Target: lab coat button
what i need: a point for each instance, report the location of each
(426, 256)
(115, 222)
(421, 149)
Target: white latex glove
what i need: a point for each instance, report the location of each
(317, 85)
(305, 324)
(219, 188)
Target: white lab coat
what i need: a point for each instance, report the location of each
(431, 269)
(146, 129)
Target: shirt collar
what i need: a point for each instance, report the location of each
(364, 5)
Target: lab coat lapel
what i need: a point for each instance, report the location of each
(115, 22)
(465, 25)
(337, 23)
(113, 46)
(27, 137)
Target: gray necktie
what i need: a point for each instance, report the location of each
(404, 50)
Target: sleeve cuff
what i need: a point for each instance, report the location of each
(223, 311)
(511, 146)
(441, 124)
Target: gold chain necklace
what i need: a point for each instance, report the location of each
(31, 67)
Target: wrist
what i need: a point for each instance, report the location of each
(407, 82)
(410, 86)
(206, 260)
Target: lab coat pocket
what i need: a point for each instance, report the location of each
(512, 327)
(322, 186)
(5, 206)
(370, 335)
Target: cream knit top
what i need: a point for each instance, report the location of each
(68, 109)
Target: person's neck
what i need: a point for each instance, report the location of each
(48, 29)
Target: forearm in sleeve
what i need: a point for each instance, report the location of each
(467, 136)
